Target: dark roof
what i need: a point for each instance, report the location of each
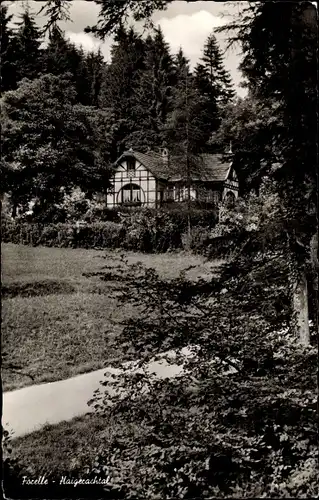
(154, 163)
(207, 167)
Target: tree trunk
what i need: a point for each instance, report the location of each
(189, 225)
(314, 256)
(189, 229)
(14, 210)
(300, 308)
(315, 269)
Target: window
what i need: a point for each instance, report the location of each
(230, 199)
(131, 193)
(216, 197)
(169, 193)
(130, 164)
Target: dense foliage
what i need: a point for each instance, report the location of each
(50, 144)
(280, 69)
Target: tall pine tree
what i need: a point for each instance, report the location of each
(77, 66)
(187, 130)
(213, 65)
(61, 57)
(206, 89)
(29, 53)
(8, 51)
(151, 101)
(95, 67)
(55, 57)
(189, 102)
(160, 62)
(121, 81)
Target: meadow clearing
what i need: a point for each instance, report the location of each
(56, 322)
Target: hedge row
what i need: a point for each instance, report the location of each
(145, 230)
(98, 235)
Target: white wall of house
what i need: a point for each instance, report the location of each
(230, 187)
(141, 177)
(176, 192)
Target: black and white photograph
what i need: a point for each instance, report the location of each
(159, 249)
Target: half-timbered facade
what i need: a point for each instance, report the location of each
(150, 179)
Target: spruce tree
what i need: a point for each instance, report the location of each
(121, 81)
(187, 129)
(8, 48)
(122, 75)
(56, 54)
(162, 65)
(77, 66)
(181, 67)
(219, 78)
(151, 101)
(206, 89)
(61, 57)
(28, 47)
(95, 66)
(198, 102)
(188, 107)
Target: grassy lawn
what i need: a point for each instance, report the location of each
(62, 447)
(57, 323)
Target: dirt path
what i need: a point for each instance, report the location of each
(28, 409)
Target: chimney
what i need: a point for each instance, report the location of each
(230, 151)
(165, 155)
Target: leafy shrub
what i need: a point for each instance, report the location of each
(177, 211)
(53, 214)
(198, 216)
(240, 420)
(152, 230)
(102, 214)
(200, 239)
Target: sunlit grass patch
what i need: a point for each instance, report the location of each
(57, 322)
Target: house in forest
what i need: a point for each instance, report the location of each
(153, 179)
